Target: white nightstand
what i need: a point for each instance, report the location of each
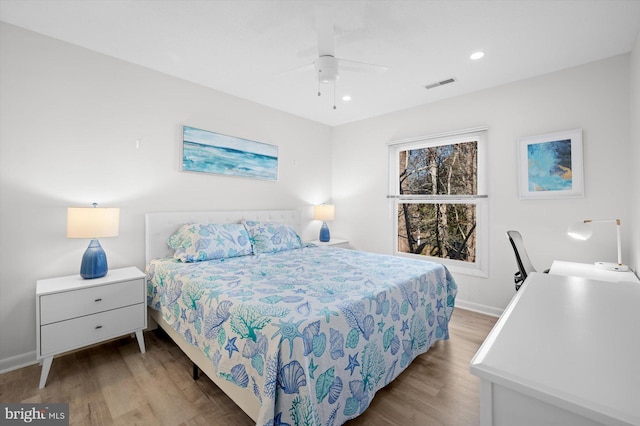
(334, 242)
(72, 312)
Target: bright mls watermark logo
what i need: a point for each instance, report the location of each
(34, 414)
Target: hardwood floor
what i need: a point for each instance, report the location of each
(113, 384)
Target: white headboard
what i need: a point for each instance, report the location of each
(160, 226)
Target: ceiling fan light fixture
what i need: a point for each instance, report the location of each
(476, 55)
(326, 77)
(346, 98)
(327, 69)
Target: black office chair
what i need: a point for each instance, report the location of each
(525, 267)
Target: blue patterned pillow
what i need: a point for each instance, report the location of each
(195, 242)
(270, 237)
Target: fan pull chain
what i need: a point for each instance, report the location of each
(334, 95)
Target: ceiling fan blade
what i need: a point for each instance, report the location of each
(302, 68)
(324, 30)
(348, 65)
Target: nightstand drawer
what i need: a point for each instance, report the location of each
(72, 304)
(70, 334)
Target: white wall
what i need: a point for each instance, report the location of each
(634, 262)
(594, 97)
(70, 119)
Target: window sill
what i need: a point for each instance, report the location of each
(454, 266)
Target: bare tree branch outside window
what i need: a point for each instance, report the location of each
(436, 228)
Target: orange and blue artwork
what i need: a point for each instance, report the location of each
(549, 166)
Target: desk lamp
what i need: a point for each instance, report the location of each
(324, 212)
(582, 231)
(93, 223)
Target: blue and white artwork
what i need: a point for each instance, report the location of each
(210, 152)
(549, 166)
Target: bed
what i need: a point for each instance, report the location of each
(298, 335)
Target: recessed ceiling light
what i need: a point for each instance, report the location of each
(476, 55)
(346, 98)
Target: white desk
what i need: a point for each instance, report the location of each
(588, 270)
(564, 352)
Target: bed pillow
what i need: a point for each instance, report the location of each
(271, 237)
(195, 242)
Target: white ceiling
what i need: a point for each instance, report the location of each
(249, 48)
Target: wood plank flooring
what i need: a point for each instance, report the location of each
(113, 384)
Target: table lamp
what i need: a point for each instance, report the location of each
(582, 231)
(93, 223)
(324, 212)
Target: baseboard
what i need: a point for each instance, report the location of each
(18, 361)
(476, 307)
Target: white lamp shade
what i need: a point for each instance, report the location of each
(92, 222)
(580, 231)
(324, 212)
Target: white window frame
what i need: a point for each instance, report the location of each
(480, 267)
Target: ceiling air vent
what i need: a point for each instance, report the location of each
(440, 83)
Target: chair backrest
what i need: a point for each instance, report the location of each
(522, 258)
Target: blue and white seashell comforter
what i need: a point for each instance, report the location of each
(313, 332)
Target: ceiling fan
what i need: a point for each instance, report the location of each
(327, 66)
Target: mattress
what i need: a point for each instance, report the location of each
(312, 332)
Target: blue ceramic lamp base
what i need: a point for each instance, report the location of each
(325, 236)
(94, 262)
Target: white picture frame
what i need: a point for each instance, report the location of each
(550, 166)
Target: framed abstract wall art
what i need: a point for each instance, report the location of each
(550, 165)
(209, 152)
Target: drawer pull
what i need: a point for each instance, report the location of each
(98, 299)
(98, 327)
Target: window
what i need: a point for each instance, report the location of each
(438, 184)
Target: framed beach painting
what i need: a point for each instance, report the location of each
(209, 152)
(550, 165)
